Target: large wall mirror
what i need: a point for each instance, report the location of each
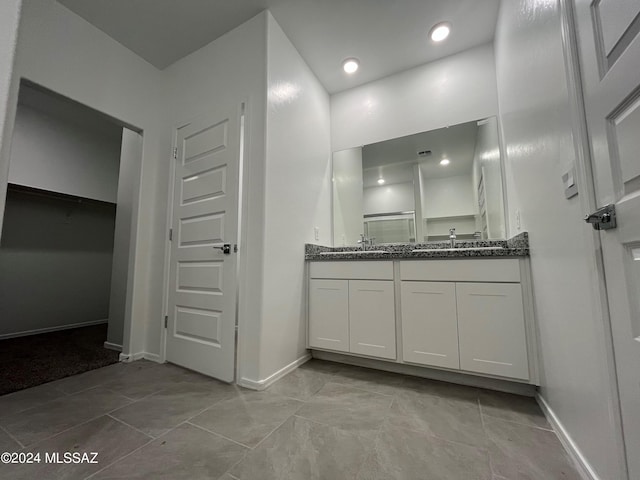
(416, 188)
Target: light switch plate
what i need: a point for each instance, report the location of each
(569, 182)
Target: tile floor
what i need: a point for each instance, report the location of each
(322, 421)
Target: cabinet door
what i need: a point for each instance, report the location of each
(429, 324)
(491, 329)
(372, 318)
(329, 314)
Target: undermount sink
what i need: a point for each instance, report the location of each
(459, 249)
(351, 252)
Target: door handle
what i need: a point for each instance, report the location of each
(224, 247)
(604, 218)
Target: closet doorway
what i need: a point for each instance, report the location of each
(66, 235)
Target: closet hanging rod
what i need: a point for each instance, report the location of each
(39, 192)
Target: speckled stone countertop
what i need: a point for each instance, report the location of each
(517, 246)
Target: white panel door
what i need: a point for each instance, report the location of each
(202, 284)
(491, 329)
(610, 58)
(329, 314)
(372, 318)
(429, 324)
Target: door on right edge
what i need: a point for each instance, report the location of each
(609, 44)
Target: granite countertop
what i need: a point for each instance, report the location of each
(517, 246)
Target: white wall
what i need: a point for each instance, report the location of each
(536, 122)
(131, 152)
(297, 196)
(233, 66)
(55, 263)
(54, 153)
(347, 196)
(62, 52)
(9, 21)
(397, 197)
(448, 196)
(453, 90)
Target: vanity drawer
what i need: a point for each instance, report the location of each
(462, 270)
(358, 270)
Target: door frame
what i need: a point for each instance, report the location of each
(588, 203)
(242, 106)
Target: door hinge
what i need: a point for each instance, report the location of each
(175, 153)
(166, 321)
(171, 234)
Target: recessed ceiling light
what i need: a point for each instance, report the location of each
(381, 181)
(440, 31)
(350, 65)
(445, 161)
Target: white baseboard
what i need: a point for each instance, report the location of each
(52, 329)
(127, 358)
(152, 357)
(113, 346)
(582, 465)
(262, 384)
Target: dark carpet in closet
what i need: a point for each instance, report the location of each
(29, 361)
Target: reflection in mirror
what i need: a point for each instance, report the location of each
(416, 188)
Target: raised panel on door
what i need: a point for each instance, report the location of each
(372, 318)
(429, 324)
(491, 329)
(329, 314)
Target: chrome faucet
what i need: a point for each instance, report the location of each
(452, 237)
(364, 241)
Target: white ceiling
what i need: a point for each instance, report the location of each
(387, 36)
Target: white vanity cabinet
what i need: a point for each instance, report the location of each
(475, 312)
(429, 324)
(465, 315)
(491, 329)
(372, 318)
(352, 308)
(329, 314)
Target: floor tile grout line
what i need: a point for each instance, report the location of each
(151, 440)
(130, 426)
(493, 418)
(313, 421)
(66, 430)
(317, 422)
(443, 439)
(481, 415)
(357, 388)
(484, 429)
(228, 472)
(13, 437)
(200, 412)
(188, 422)
(107, 413)
(64, 395)
(272, 431)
